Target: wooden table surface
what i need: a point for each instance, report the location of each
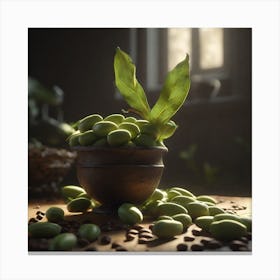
(239, 205)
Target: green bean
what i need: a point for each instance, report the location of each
(171, 209)
(44, 229)
(72, 191)
(55, 214)
(183, 191)
(227, 216)
(204, 222)
(118, 137)
(197, 209)
(185, 219)
(182, 200)
(89, 232)
(79, 204)
(63, 242)
(115, 118)
(167, 228)
(206, 198)
(215, 210)
(88, 122)
(131, 127)
(130, 214)
(227, 229)
(87, 138)
(102, 128)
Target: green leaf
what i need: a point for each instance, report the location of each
(173, 93)
(127, 84)
(167, 130)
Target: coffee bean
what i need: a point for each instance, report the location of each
(146, 235)
(120, 248)
(145, 230)
(213, 244)
(143, 240)
(91, 248)
(105, 240)
(133, 231)
(235, 245)
(182, 247)
(83, 242)
(189, 238)
(32, 220)
(197, 247)
(244, 239)
(115, 245)
(137, 227)
(196, 232)
(205, 241)
(129, 237)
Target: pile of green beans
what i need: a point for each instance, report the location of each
(116, 130)
(176, 208)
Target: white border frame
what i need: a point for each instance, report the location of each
(17, 16)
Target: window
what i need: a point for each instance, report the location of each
(219, 57)
(204, 45)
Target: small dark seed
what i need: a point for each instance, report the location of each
(133, 231)
(129, 237)
(38, 217)
(146, 235)
(105, 240)
(32, 220)
(83, 242)
(40, 213)
(213, 244)
(232, 202)
(235, 245)
(196, 232)
(143, 240)
(92, 248)
(189, 238)
(244, 239)
(205, 241)
(182, 247)
(120, 248)
(145, 230)
(137, 227)
(115, 245)
(197, 247)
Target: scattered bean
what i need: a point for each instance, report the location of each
(182, 247)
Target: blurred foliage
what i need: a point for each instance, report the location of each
(50, 131)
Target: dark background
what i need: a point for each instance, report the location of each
(211, 150)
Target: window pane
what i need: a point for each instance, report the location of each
(179, 43)
(211, 47)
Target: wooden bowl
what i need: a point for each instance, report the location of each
(116, 175)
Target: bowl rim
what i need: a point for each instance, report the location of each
(124, 148)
